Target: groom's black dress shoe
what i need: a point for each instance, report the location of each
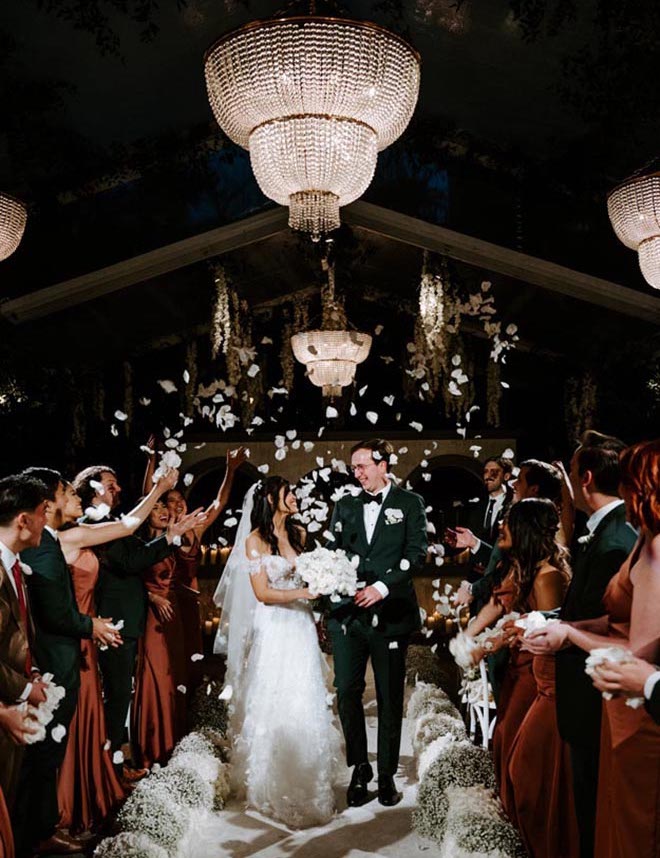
(387, 792)
(357, 793)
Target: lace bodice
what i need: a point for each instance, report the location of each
(281, 572)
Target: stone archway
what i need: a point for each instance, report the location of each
(454, 481)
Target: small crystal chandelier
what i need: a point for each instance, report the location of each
(634, 210)
(13, 217)
(332, 353)
(313, 99)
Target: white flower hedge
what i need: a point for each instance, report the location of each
(456, 802)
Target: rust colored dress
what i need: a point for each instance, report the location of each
(87, 789)
(540, 777)
(628, 811)
(159, 707)
(6, 839)
(185, 598)
(516, 696)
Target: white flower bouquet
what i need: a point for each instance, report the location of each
(534, 621)
(44, 713)
(615, 654)
(328, 573)
(463, 645)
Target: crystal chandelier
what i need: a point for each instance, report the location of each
(634, 210)
(313, 99)
(13, 217)
(332, 353)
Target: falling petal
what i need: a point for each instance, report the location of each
(167, 385)
(372, 417)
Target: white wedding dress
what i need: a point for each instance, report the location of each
(286, 749)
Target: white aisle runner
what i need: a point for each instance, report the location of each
(355, 832)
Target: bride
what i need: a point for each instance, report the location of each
(284, 746)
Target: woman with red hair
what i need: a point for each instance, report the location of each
(628, 815)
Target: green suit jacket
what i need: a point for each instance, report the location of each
(59, 625)
(120, 592)
(594, 564)
(399, 535)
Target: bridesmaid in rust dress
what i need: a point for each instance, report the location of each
(543, 803)
(6, 839)
(88, 788)
(184, 595)
(531, 584)
(628, 812)
(159, 707)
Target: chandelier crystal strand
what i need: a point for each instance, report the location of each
(314, 99)
(331, 357)
(634, 210)
(431, 306)
(13, 218)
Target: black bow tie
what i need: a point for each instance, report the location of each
(367, 498)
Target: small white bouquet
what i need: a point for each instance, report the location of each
(328, 572)
(44, 713)
(618, 655)
(534, 621)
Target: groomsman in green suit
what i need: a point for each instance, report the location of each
(121, 594)
(59, 628)
(385, 527)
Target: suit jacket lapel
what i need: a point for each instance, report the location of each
(13, 598)
(380, 521)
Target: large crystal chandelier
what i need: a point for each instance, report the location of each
(332, 353)
(13, 217)
(314, 99)
(634, 210)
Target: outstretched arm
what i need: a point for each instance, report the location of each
(148, 481)
(86, 535)
(235, 459)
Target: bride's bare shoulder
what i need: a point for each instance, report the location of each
(255, 544)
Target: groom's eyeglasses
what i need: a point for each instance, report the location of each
(359, 468)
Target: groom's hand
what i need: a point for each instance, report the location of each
(368, 597)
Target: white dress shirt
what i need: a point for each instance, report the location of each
(52, 532)
(650, 683)
(8, 559)
(371, 513)
(596, 517)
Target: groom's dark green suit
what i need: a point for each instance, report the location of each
(397, 549)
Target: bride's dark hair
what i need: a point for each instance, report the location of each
(265, 502)
(534, 523)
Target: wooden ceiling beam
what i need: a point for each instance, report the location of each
(501, 260)
(155, 263)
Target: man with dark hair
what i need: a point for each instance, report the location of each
(121, 594)
(535, 479)
(22, 519)
(596, 557)
(385, 527)
(484, 517)
(59, 628)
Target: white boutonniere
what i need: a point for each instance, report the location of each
(393, 516)
(586, 539)
(27, 570)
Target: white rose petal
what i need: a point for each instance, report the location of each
(394, 645)
(231, 522)
(182, 689)
(263, 469)
(405, 564)
(144, 401)
(167, 385)
(363, 390)
(416, 426)
(331, 412)
(254, 370)
(58, 732)
(118, 758)
(120, 415)
(372, 417)
(107, 745)
(187, 479)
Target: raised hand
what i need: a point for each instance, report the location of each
(168, 481)
(235, 458)
(463, 596)
(177, 526)
(465, 538)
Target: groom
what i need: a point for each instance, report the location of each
(385, 527)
